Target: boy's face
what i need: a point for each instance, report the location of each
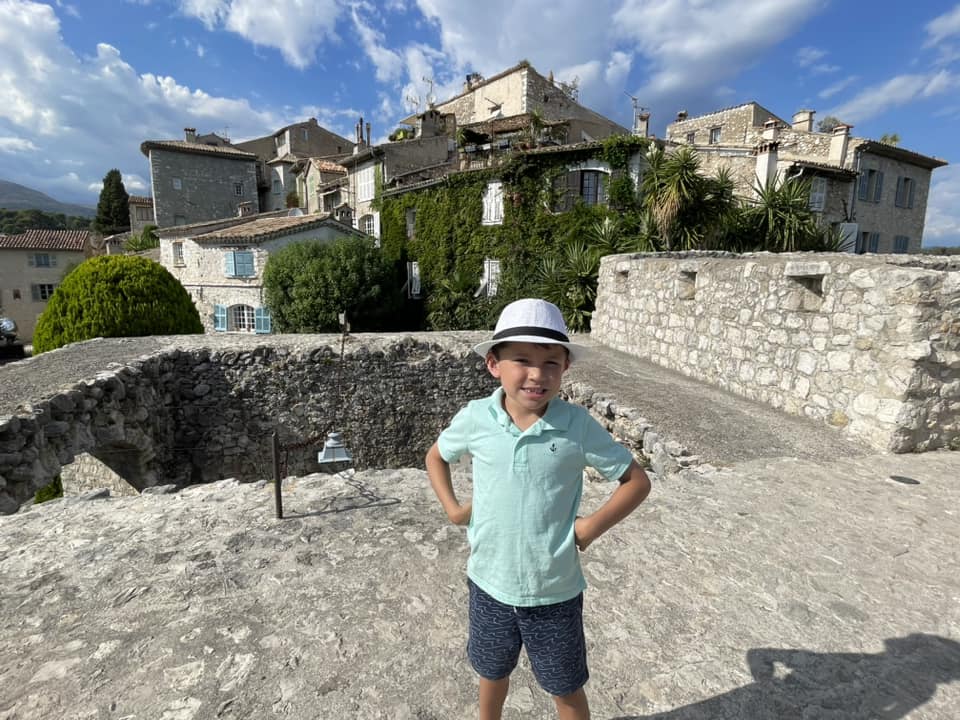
(530, 375)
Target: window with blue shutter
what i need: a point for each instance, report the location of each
(261, 321)
(243, 263)
(901, 243)
(220, 318)
(239, 263)
(874, 242)
(904, 197)
(879, 188)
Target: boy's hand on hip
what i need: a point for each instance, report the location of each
(583, 533)
(461, 514)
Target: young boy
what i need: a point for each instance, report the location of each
(529, 449)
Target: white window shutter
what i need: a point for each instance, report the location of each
(376, 225)
(493, 276)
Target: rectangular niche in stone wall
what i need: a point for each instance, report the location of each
(687, 285)
(805, 285)
(621, 277)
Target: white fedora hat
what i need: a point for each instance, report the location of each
(534, 321)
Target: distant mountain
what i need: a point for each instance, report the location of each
(20, 197)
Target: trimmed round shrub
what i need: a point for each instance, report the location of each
(115, 296)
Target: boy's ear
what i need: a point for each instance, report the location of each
(493, 366)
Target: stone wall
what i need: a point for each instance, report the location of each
(870, 344)
(207, 186)
(197, 415)
(205, 409)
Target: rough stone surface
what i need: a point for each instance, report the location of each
(770, 589)
(867, 343)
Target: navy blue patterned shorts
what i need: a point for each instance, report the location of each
(552, 634)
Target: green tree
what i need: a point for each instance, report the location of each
(827, 124)
(113, 211)
(688, 210)
(115, 296)
(779, 220)
(890, 138)
(309, 283)
(293, 200)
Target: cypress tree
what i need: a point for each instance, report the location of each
(113, 212)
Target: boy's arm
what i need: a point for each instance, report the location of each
(633, 490)
(438, 470)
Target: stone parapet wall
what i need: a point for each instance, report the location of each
(196, 414)
(867, 344)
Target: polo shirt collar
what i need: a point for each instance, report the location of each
(557, 416)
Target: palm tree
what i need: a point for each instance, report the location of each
(688, 210)
(780, 220)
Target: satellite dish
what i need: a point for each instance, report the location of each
(296, 212)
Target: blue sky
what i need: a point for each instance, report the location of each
(83, 83)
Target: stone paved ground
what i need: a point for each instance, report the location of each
(775, 588)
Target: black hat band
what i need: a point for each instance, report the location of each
(530, 330)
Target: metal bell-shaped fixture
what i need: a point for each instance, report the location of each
(334, 451)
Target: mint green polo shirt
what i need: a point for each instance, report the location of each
(526, 492)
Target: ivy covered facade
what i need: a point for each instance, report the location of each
(475, 240)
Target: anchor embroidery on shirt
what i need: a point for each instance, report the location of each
(553, 448)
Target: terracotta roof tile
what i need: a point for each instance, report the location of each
(140, 200)
(46, 240)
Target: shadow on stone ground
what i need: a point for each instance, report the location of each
(773, 589)
(790, 683)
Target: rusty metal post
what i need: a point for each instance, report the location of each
(276, 475)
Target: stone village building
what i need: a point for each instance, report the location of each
(205, 177)
(516, 109)
(31, 266)
(874, 192)
(141, 213)
(221, 262)
(199, 178)
(279, 154)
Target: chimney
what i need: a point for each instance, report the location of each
(771, 131)
(838, 144)
(803, 120)
(681, 116)
(642, 125)
(368, 135)
(190, 134)
(767, 157)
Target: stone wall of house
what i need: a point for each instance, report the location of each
(884, 216)
(866, 343)
(203, 271)
(207, 186)
(17, 278)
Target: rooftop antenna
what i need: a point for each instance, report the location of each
(637, 109)
(430, 97)
(414, 101)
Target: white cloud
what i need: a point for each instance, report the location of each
(388, 63)
(943, 26)
(87, 114)
(829, 92)
(683, 48)
(943, 208)
(899, 90)
(297, 28)
(807, 56)
(16, 145)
